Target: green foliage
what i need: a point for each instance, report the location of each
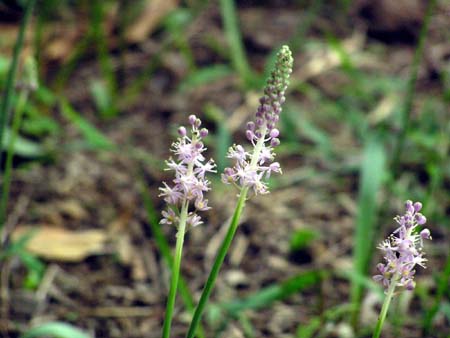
(55, 330)
(302, 238)
(35, 268)
(204, 76)
(93, 137)
(372, 173)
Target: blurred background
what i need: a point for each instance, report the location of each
(89, 113)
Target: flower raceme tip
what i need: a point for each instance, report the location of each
(403, 249)
(251, 168)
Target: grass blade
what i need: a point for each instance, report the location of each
(371, 178)
(233, 34)
(92, 135)
(57, 330)
(270, 294)
(5, 105)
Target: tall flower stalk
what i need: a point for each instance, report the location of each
(251, 168)
(186, 193)
(402, 252)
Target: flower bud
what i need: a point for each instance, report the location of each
(274, 133)
(192, 119)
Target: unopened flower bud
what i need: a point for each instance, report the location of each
(425, 234)
(409, 206)
(249, 134)
(420, 219)
(417, 206)
(192, 119)
(274, 142)
(274, 133)
(182, 131)
(251, 126)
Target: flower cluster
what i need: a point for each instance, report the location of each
(251, 168)
(403, 249)
(190, 182)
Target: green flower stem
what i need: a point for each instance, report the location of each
(217, 263)
(385, 308)
(175, 270)
(224, 247)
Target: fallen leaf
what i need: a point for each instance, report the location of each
(151, 15)
(61, 244)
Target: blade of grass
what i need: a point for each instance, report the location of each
(5, 105)
(411, 89)
(93, 136)
(313, 328)
(233, 34)
(17, 119)
(56, 329)
(261, 299)
(371, 178)
(204, 76)
(277, 292)
(106, 67)
(164, 249)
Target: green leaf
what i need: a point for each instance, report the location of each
(302, 238)
(94, 137)
(4, 66)
(23, 147)
(371, 178)
(102, 97)
(204, 76)
(276, 292)
(56, 330)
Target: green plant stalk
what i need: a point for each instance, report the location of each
(5, 105)
(207, 289)
(10, 154)
(175, 271)
(233, 34)
(217, 264)
(410, 89)
(177, 261)
(164, 249)
(384, 309)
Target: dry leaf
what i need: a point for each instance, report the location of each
(151, 15)
(61, 244)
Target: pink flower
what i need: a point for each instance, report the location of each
(403, 249)
(189, 184)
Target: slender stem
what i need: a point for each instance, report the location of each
(385, 308)
(217, 263)
(10, 154)
(175, 271)
(225, 244)
(5, 104)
